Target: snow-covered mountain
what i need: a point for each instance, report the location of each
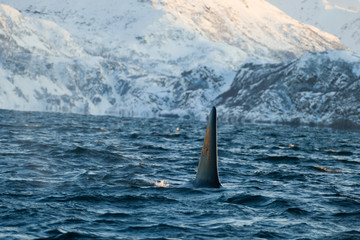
(45, 71)
(38, 37)
(139, 58)
(338, 17)
(168, 30)
(316, 89)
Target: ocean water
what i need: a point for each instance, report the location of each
(66, 176)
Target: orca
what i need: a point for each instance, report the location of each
(207, 174)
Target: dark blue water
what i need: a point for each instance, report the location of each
(98, 177)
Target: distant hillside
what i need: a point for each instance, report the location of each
(142, 58)
(338, 17)
(316, 89)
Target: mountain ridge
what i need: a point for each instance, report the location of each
(164, 69)
(318, 89)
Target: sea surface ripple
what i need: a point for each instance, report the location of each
(65, 176)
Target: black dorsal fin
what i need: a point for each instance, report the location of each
(207, 174)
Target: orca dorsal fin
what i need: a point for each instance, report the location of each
(207, 174)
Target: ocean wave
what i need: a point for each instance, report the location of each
(87, 177)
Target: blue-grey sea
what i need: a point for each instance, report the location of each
(66, 176)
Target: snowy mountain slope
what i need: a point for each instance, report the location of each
(111, 58)
(318, 88)
(338, 17)
(167, 30)
(48, 74)
(38, 37)
(256, 27)
(39, 65)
